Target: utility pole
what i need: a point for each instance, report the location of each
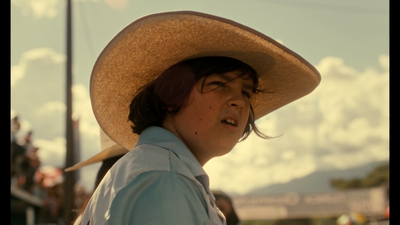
(69, 180)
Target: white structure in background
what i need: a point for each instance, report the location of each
(370, 202)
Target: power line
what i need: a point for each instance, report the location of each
(86, 31)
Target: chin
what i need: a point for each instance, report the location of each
(223, 151)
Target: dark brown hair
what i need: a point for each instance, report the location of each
(231, 218)
(172, 88)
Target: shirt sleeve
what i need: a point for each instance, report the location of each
(159, 197)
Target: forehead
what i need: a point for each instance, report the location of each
(246, 78)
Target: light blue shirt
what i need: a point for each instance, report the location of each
(158, 182)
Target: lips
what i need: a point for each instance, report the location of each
(231, 120)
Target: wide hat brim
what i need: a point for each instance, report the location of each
(109, 150)
(148, 46)
(115, 150)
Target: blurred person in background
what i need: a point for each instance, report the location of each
(24, 159)
(16, 149)
(28, 144)
(17, 152)
(33, 164)
(15, 126)
(224, 203)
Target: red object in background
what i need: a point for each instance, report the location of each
(387, 212)
(49, 176)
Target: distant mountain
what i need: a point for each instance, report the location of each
(317, 181)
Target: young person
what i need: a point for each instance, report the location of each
(180, 88)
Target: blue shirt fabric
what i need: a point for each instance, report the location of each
(158, 182)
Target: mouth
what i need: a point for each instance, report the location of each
(231, 122)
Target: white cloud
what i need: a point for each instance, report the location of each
(51, 8)
(384, 62)
(45, 56)
(37, 91)
(354, 111)
(38, 8)
(342, 124)
(288, 155)
(52, 107)
(117, 4)
(51, 152)
(17, 72)
(30, 60)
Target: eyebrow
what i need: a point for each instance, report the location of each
(228, 79)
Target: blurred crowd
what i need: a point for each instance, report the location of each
(44, 182)
(24, 158)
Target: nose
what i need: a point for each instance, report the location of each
(237, 100)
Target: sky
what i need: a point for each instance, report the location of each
(344, 123)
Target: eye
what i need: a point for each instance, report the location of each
(217, 83)
(246, 94)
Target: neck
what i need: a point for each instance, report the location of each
(168, 125)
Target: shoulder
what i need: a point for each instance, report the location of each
(149, 155)
(145, 158)
(159, 197)
(147, 179)
(141, 159)
(156, 184)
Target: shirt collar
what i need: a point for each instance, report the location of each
(165, 139)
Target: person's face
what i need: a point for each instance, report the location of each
(212, 120)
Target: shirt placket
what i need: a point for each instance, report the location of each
(203, 179)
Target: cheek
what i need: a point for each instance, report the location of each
(197, 115)
(204, 114)
(245, 116)
(204, 105)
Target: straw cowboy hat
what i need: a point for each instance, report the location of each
(148, 46)
(109, 149)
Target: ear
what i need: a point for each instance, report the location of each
(172, 110)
